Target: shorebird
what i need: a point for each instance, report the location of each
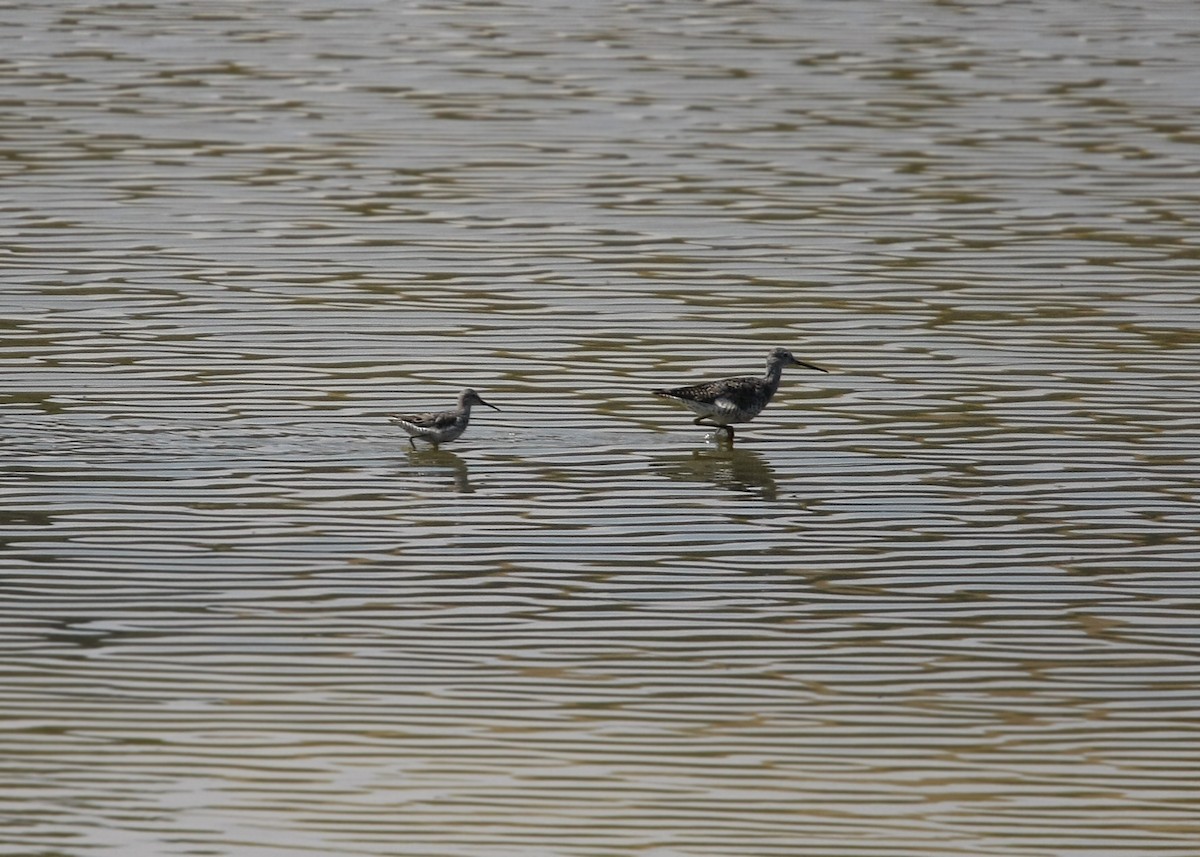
(735, 400)
(441, 426)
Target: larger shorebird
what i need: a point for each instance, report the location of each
(441, 426)
(735, 400)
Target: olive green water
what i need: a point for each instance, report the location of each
(939, 601)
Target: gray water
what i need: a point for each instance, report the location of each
(939, 601)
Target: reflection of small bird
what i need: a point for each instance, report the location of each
(735, 400)
(441, 426)
(440, 463)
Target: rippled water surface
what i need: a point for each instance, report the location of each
(939, 601)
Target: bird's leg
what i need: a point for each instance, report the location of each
(700, 421)
(412, 441)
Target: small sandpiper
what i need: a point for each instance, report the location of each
(441, 426)
(735, 400)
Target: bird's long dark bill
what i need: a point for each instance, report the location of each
(810, 366)
(493, 407)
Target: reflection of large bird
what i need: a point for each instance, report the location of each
(742, 470)
(735, 400)
(441, 426)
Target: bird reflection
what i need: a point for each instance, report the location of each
(725, 466)
(436, 460)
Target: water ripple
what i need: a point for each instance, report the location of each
(937, 601)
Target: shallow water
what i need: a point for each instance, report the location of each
(940, 600)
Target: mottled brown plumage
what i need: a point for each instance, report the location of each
(734, 400)
(441, 426)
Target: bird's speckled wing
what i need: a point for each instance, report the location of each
(431, 420)
(730, 394)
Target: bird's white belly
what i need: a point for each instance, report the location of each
(720, 410)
